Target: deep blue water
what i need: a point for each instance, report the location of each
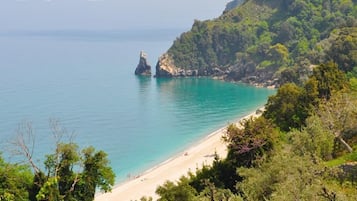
(85, 80)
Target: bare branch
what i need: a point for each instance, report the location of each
(339, 115)
(24, 143)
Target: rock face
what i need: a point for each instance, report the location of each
(248, 73)
(165, 67)
(143, 67)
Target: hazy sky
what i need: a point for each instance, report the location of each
(105, 14)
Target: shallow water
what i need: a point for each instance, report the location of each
(86, 81)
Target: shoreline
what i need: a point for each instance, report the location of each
(192, 158)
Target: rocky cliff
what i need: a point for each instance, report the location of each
(143, 68)
(166, 68)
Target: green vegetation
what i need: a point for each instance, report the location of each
(264, 38)
(69, 175)
(303, 147)
(15, 180)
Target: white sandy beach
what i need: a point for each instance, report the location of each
(172, 169)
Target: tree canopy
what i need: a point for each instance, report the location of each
(68, 175)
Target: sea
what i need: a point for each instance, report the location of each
(83, 82)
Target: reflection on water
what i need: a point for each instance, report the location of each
(144, 82)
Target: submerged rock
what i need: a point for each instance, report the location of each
(143, 67)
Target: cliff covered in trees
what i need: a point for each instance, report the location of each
(264, 42)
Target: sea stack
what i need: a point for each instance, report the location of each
(143, 67)
(165, 67)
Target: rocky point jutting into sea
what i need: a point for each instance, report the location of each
(262, 43)
(166, 67)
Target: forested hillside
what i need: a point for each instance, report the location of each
(261, 41)
(303, 147)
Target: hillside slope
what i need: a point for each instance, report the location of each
(262, 41)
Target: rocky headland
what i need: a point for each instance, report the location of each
(263, 43)
(166, 67)
(143, 68)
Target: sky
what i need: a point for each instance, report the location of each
(105, 14)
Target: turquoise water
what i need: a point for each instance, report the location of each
(86, 81)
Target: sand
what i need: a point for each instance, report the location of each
(194, 157)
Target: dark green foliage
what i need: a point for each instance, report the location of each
(38, 181)
(343, 49)
(288, 108)
(15, 181)
(65, 181)
(170, 191)
(250, 145)
(222, 174)
(211, 192)
(96, 174)
(66, 175)
(329, 79)
(289, 75)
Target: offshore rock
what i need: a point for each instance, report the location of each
(143, 67)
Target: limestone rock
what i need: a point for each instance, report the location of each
(143, 67)
(166, 68)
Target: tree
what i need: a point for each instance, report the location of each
(329, 79)
(284, 177)
(15, 180)
(222, 175)
(250, 144)
(279, 54)
(96, 174)
(343, 50)
(181, 191)
(288, 108)
(313, 140)
(340, 116)
(69, 174)
(64, 179)
(211, 193)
